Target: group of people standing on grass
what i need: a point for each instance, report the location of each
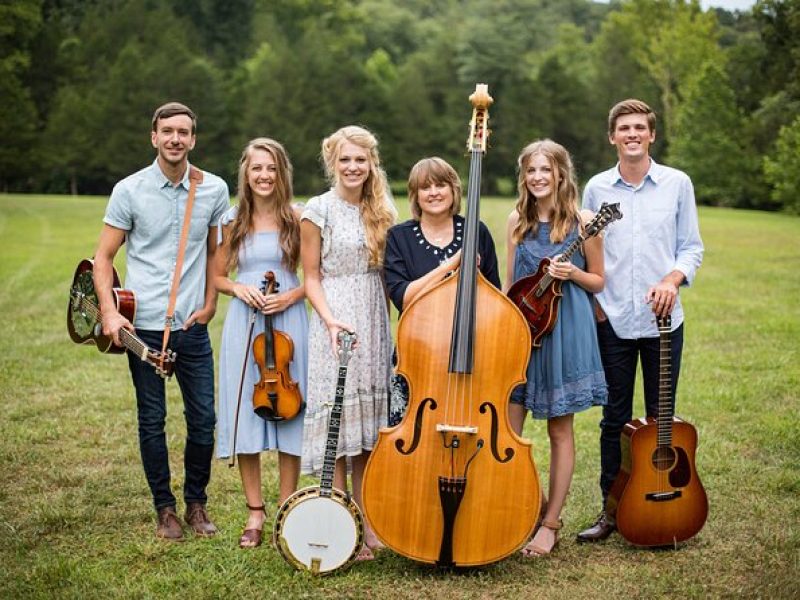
(355, 260)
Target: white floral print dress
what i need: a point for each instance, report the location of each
(355, 295)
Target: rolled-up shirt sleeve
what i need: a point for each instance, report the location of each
(689, 245)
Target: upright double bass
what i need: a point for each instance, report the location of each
(452, 484)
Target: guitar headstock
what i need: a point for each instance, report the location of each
(165, 369)
(478, 130)
(664, 324)
(346, 341)
(607, 214)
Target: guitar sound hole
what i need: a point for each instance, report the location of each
(664, 458)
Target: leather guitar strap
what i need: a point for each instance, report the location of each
(195, 178)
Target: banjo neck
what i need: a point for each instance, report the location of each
(346, 341)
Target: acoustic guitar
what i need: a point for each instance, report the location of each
(84, 322)
(657, 498)
(539, 295)
(319, 528)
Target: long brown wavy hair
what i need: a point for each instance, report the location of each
(377, 211)
(288, 223)
(565, 194)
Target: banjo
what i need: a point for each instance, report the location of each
(319, 528)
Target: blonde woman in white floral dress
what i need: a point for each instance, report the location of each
(343, 235)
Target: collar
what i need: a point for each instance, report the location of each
(653, 174)
(162, 179)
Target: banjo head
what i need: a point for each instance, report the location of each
(319, 533)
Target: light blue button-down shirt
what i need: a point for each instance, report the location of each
(151, 210)
(657, 234)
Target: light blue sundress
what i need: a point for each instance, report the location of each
(259, 253)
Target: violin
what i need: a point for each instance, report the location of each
(276, 396)
(453, 484)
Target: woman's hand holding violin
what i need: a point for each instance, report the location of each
(275, 303)
(250, 295)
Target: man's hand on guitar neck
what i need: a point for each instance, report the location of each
(113, 321)
(664, 293)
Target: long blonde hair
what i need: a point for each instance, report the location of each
(288, 223)
(377, 212)
(565, 193)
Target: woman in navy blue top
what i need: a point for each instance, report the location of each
(427, 247)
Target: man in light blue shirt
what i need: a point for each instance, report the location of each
(649, 254)
(146, 212)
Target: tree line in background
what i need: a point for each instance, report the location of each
(79, 80)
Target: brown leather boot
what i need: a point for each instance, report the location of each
(197, 518)
(602, 528)
(169, 527)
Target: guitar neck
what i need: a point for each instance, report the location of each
(664, 418)
(332, 443)
(129, 340)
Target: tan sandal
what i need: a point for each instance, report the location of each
(252, 538)
(534, 550)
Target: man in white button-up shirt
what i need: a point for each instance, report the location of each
(649, 254)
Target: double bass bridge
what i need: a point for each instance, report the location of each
(444, 428)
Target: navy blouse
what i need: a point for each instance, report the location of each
(409, 255)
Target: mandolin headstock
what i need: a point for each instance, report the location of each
(607, 213)
(478, 129)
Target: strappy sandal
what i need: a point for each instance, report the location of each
(533, 550)
(251, 538)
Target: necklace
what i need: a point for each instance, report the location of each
(438, 237)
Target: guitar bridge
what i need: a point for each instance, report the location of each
(663, 496)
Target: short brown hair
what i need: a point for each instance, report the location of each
(170, 109)
(631, 106)
(432, 170)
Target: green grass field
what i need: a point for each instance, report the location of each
(75, 514)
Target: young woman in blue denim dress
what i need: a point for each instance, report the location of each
(565, 374)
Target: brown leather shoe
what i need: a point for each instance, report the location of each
(603, 527)
(197, 518)
(169, 527)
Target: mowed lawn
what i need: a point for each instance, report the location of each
(76, 519)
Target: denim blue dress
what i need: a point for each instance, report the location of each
(565, 375)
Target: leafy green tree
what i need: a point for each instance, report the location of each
(104, 113)
(706, 142)
(782, 168)
(19, 22)
(668, 39)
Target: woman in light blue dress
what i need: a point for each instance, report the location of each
(260, 234)
(565, 375)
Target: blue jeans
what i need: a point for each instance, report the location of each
(619, 358)
(194, 370)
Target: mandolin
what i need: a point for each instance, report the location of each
(320, 528)
(276, 396)
(657, 498)
(85, 326)
(539, 295)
